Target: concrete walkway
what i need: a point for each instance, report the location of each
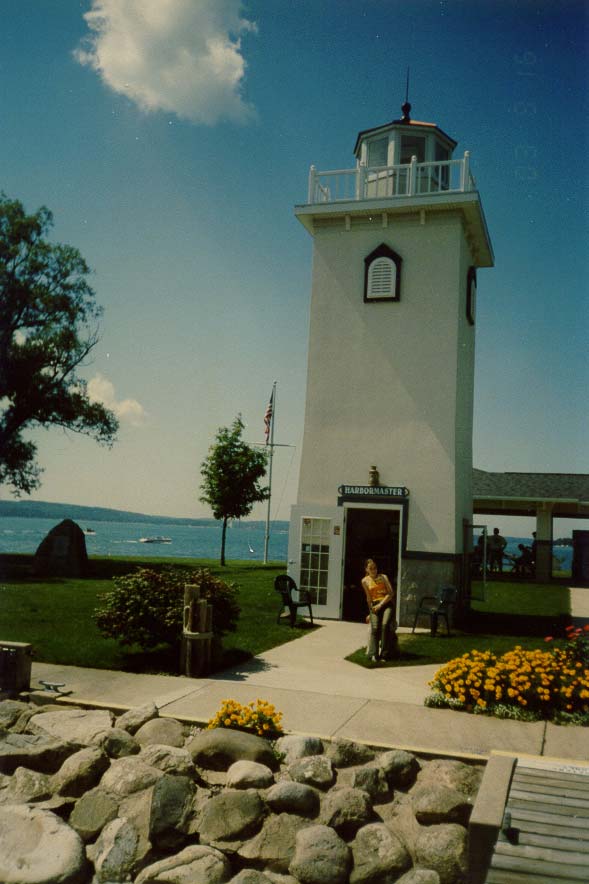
(321, 693)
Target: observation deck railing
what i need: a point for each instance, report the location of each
(391, 182)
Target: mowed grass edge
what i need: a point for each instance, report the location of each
(56, 615)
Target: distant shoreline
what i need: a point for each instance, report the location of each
(37, 509)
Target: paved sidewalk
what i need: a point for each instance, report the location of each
(321, 693)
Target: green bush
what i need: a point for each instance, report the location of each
(146, 607)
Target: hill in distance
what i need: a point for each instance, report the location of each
(38, 509)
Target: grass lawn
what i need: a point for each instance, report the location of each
(421, 649)
(512, 613)
(56, 614)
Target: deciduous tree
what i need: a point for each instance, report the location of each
(48, 326)
(231, 477)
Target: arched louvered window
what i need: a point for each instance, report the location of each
(382, 277)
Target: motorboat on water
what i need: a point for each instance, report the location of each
(89, 531)
(155, 540)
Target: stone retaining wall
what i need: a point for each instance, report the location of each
(87, 798)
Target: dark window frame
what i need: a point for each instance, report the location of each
(383, 251)
(471, 282)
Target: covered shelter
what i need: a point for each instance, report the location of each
(544, 496)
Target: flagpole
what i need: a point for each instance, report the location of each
(270, 456)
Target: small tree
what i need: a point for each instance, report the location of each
(48, 326)
(231, 475)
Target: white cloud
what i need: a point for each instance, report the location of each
(179, 56)
(100, 389)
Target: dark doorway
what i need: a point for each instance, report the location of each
(370, 534)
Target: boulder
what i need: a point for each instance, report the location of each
(116, 742)
(218, 748)
(274, 845)
(92, 813)
(76, 725)
(169, 759)
(321, 857)
(161, 812)
(444, 849)
(136, 717)
(288, 797)
(314, 770)
(250, 876)
(37, 847)
(192, 865)
(80, 772)
(400, 768)
(62, 553)
(232, 814)
(34, 751)
(346, 753)
(419, 876)
(161, 732)
(440, 804)
(128, 775)
(346, 810)
(249, 775)
(465, 778)
(26, 786)
(372, 780)
(10, 712)
(117, 853)
(378, 855)
(294, 746)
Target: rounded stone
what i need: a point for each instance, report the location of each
(37, 847)
(287, 797)
(321, 857)
(249, 775)
(161, 732)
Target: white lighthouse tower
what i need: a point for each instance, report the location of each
(386, 464)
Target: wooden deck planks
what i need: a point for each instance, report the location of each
(548, 837)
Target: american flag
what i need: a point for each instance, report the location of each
(268, 417)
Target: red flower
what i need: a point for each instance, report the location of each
(549, 638)
(586, 627)
(569, 628)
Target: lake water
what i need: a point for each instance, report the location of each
(245, 540)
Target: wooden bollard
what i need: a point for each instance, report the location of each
(197, 633)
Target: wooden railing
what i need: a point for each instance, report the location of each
(384, 182)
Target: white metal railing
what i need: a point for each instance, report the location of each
(382, 182)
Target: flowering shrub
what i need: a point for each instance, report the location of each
(146, 607)
(577, 644)
(257, 717)
(526, 684)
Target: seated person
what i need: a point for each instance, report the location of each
(381, 598)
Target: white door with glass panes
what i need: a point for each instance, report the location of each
(315, 552)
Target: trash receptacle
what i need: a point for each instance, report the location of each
(15, 667)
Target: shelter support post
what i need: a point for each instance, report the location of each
(544, 543)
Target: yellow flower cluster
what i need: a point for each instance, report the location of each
(542, 681)
(259, 717)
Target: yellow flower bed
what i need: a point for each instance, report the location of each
(259, 717)
(539, 681)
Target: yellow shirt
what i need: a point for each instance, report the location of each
(377, 590)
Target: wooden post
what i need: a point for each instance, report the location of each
(197, 633)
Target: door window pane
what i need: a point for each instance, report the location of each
(315, 558)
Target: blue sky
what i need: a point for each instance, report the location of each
(172, 138)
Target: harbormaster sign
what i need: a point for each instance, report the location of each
(381, 493)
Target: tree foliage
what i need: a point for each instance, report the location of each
(48, 326)
(231, 477)
(146, 607)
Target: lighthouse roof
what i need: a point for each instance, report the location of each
(404, 122)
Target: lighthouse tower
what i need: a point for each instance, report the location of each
(386, 465)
